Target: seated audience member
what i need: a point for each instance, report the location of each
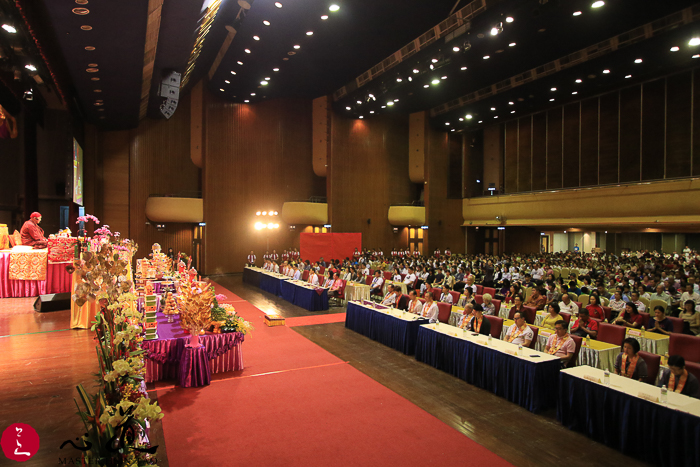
(488, 306)
(519, 333)
(297, 274)
(518, 304)
(628, 363)
(560, 344)
(617, 304)
(390, 297)
(552, 317)
(659, 322)
(629, 317)
(446, 296)
(553, 295)
(430, 309)
(466, 297)
(594, 308)
(375, 287)
(677, 378)
(568, 306)
(512, 292)
(414, 305)
(536, 300)
(661, 294)
(585, 326)
(478, 323)
(449, 279)
(634, 298)
(410, 278)
(313, 277)
(690, 294)
(690, 316)
(466, 316)
(335, 286)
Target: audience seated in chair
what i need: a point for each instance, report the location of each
(628, 363)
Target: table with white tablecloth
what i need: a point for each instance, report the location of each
(356, 291)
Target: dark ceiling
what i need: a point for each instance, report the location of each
(359, 35)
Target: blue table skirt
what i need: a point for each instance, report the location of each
(303, 297)
(251, 277)
(270, 284)
(528, 384)
(386, 329)
(650, 432)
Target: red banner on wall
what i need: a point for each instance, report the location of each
(314, 246)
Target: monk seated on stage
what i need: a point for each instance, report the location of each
(32, 234)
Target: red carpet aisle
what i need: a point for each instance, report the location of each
(296, 404)
(311, 320)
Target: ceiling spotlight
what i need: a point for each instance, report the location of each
(675, 49)
(493, 108)
(511, 103)
(509, 19)
(461, 119)
(275, 69)
(628, 76)
(359, 102)
(371, 111)
(694, 41)
(579, 81)
(221, 89)
(456, 48)
(463, 68)
(30, 67)
(324, 17)
(334, 7)
(256, 38)
(410, 79)
(486, 57)
(252, 94)
(598, 4)
(434, 60)
(416, 70)
(246, 101)
(297, 46)
(398, 80)
(444, 77)
(396, 100)
(264, 83)
(278, 4)
(426, 85)
(606, 72)
(247, 51)
(447, 123)
(639, 60)
(481, 121)
(468, 116)
(512, 44)
(696, 56)
(227, 81)
(384, 107)
(495, 116)
(494, 31)
(9, 28)
(551, 100)
(239, 62)
(389, 103)
(432, 67)
(309, 33)
(361, 116)
(29, 95)
(577, 13)
(512, 111)
(267, 78)
(347, 108)
(266, 22)
(233, 72)
(553, 89)
(435, 81)
(574, 93)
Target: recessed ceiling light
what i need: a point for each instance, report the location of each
(509, 19)
(9, 28)
(89, 47)
(396, 100)
(221, 89)
(486, 57)
(389, 103)
(639, 60)
(334, 7)
(468, 116)
(246, 101)
(512, 111)
(252, 94)
(384, 107)
(494, 31)
(399, 80)
(264, 83)
(605, 72)
(694, 41)
(696, 56)
(92, 70)
(598, 4)
(456, 48)
(444, 77)
(463, 68)
(266, 22)
(233, 72)
(361, 116)
(256, 38)
(628, 76)
(480, 121)
(553, 89)
(92, 65)
(511, 103)
(247, 51)
(675, 49)
(95, 78)
(86, 27)
(297, 47)
(278, 4)
(416, 70)
(80, 11)
(551, 100)
(30, 67)
(359, 102)
(227, 81)
(577, 13)
(371, 111)
(239, 62)
(512, 44)
(447, 123)
(267, 78)
(574, 93)
(435, 81)
(434, 60)
(496, 116)
(493, 108)
(309, 33)
(324, 16)
(97, 90)
(426, 85)
(461, 119)
(275, 69)
(579, 81)
(347, 108)
(98, 103)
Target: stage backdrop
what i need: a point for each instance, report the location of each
(313, 246)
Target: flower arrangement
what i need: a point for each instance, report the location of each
(235, 323)
(117, 417)
(195, 301)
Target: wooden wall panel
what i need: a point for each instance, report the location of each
(608, 157)
(115, 146)
(572, 146)
(653, 129)
(554, 148)
(678, 124)
(525, 154)
(160, 163)
(630, 134)
(256, 158)
(369, 173)
(695, 147)
(511, 157)
(589, 142)
(539, 151)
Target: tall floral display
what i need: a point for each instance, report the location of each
(117, 417)
(196, 300)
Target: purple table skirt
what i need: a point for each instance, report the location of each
(164, 356)
(194, 367)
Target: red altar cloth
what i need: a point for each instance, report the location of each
(57, 281)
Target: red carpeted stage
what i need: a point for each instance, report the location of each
(296, 404)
